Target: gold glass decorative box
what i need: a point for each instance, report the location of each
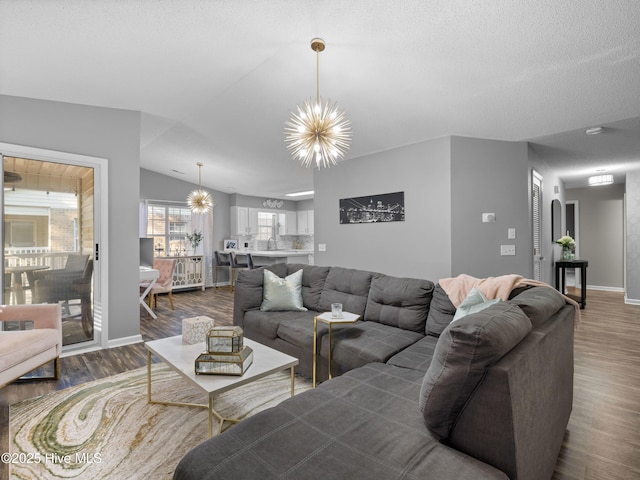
(224, 340)
(224, 363)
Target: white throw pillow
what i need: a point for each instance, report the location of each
(282, 293)
(474, 302)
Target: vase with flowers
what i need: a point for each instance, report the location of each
(568, 245)
(194, 239)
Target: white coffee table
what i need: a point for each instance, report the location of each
(181, 358)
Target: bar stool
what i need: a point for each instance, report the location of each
(222, 260)
(235, 265)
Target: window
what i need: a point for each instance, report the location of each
(20, 233)
(536, 215)
(168, 226)
(266, 225)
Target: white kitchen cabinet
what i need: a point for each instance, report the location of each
(244, 221)
(305, 222)
(282, 223)
(291, 223)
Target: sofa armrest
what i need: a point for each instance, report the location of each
(43, 316)
(516, 418)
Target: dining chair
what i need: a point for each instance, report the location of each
(236, 265)
(164, 283)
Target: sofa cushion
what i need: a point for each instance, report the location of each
(347, 286)
(267, 323)
(299, 331)
(463, 352)
(359, 426)
(441, 312)
(21, 345)
(539, 303)
(313, 278)
(417, 356)
(399, 302)
(249, 286)
(280, 294)
(474, 302)
(360, 343)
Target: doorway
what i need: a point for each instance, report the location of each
(572, 221)
(50, 233)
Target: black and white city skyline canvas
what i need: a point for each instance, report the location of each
(386, 207)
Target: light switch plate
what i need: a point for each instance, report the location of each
(511, 233)
(507, 249)
(322, 247)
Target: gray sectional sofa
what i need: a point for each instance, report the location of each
(418, 396)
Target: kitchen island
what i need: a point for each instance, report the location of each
(269, 257)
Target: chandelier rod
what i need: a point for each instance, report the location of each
(317, 76)
(317, 45)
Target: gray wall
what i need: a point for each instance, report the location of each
(448, 184)
(238, 200)
(633, 237)
(601, 217)
(155, 186)
(99, 132)
(489, 176)
(418, 247)
(305, 204)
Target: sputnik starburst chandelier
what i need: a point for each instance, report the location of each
(319, 132)
(199, 200)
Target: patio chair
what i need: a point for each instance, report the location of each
(53, 286)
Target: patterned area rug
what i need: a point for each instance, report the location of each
(105, 429)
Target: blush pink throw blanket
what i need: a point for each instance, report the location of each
(457, 288)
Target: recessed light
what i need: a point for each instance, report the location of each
(299, 194)
(593, 131)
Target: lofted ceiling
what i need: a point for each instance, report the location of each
(215, 80)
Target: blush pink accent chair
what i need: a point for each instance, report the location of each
(164, 284)
(25, 350)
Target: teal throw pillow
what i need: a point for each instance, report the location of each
(474, 302)
(282, 293)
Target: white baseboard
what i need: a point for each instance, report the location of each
(120, 342)
(631, 301)
(605, 289)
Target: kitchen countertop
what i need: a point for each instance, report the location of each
(276, 253)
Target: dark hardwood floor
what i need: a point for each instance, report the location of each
(603, 437)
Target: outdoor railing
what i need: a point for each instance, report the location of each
(20, 257)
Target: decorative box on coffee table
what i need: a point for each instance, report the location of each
(226, 353)
(195, 329)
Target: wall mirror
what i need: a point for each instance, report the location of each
(556, 220)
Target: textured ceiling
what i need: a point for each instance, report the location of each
(215, 80)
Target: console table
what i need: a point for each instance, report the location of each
(189, 272)
(561, 266)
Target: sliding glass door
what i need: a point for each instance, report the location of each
(49, 235)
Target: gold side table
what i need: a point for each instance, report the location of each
(326, 317)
